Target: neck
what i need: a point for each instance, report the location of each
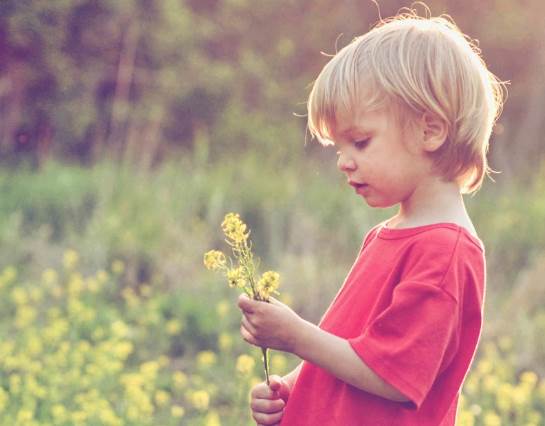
(432, 202)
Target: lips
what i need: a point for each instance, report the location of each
(356, 185)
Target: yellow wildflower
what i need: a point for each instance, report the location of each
(236, 277)
(212, 419)
(529, 378)
(267, 284)
(70, 259)
(225, 341)
(162, 398)
(8, 274)
(118, 266)
(199, 399)
(50, 276)
(214, 260)
(491, 419)
(4, 398)
(149, 369)
(177, 411)
(24, 416)
(102, 276)
(180, 379)
(245, 364)
(234, 228)
(206, 359)
(19, 296)
(173, 326)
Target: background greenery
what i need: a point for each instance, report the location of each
(130, 128)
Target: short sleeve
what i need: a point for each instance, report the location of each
(409, 342)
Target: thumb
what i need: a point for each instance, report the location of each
(279, 387)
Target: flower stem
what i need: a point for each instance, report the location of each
(266, 363)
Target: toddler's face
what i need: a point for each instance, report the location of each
(380, 159)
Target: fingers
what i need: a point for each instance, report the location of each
(275, 382)
(246, 304)
(268, 419)
(248, 336)
(279, 387)
(267, 406)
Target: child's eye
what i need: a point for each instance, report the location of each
(361, 144)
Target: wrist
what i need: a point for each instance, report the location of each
(303, 333)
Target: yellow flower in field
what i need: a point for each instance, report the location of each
(79, 417)
(149, 369)
(8, 275)
(466, 418)
(490, 384)
(123, 349)
(19, 296)
(120, 329)
(484, 367)
(93, 285)
(36, 294)
(173, 326)
(75, 285)
(177, 411)
(529, 378)
(225, 341)
(102, 276)
(503, 397)
(180, 379)
(70, 259)
(236, 277)
(24, 416)
(268, 283)
(199, 399)
(34, 345)
(162, 398)
(491, 419)
(245, 364)
(521, 395)
(206, 359)
(24, 316)
(118, 267)
(234, 228)
(50, 276)
(212, 419)
(4, 398)
(108, 417)
(214, 260)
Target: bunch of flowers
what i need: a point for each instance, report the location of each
(241, 273)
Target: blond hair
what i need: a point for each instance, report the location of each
(417, 65)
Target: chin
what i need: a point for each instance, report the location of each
(379, 204)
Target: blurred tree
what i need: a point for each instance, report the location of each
(141, 80)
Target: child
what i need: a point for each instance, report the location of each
(410, 107)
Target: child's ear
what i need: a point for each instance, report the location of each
(435, 132)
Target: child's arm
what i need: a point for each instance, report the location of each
(335, 355)
(276, 326)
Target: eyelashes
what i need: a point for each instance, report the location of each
(359, 145)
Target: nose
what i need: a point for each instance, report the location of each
(345, 163)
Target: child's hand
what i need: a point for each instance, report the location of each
(268, 403)
(271, 325)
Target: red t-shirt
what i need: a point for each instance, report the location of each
(411, 307)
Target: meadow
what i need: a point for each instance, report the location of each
(108, 316)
